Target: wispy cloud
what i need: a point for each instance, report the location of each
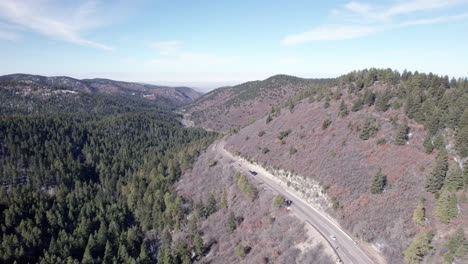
(167, 48)
(172, 55)
(52, 19)
(365, 19)
(329, 32)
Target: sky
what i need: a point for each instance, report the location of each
(211, 43)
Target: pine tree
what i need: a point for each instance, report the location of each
(428, 144)
(454, 180)
(343, 109)
(419, 213)
(108, 254)
(223, 203)
(446, 207)
(369, 130)
(198, 244)
(402, 134)
(436, 177)
(439, 142)
(143, 256)
(211, 204)
(231, 222)
(378, 182)
(418, 248)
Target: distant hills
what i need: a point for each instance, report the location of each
(36, 86)
(230, 107)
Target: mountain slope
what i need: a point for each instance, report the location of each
(230, 107)
(340, 137)
(169, 96)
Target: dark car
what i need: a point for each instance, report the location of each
(253, 172)
(288, 202)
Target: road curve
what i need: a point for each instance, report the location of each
(346, 248)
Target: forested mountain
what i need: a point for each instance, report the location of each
(93, 187)
(231, 107)
(25, 87)
(91, 173)
(390, 151)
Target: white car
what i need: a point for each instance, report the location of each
(332, 237)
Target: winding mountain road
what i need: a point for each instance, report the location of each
(347, 249)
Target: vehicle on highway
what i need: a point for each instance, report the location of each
(253, 172)
(332, 237)
(288, 202)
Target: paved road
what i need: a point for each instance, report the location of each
(348, 251)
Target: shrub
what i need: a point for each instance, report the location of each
(292, 150)
(278, 201)
(261, 133)
(381, 141)
(284, 134)
(212, 162)
(326, 123)
(335, 203)
(241, 251)
(265, 150)
(269, 119)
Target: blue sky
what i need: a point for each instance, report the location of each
(208, 43)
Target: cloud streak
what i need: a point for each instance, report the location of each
(171, 55)
(329, 32)
(64, 24)
(368, 20)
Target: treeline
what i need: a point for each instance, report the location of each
(436, 102)
(20, 98)
(82, 188)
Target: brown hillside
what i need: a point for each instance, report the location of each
(273, 235)
(345, 165)
(231, 107)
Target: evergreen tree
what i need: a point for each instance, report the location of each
(231, 223)
(446, 207)
(108, 254)
(454, 180)
(428, 144)
(143, 257)
(378, 182)
(343, 109)
(223, 203)
(436, 177)
(439, 142)
(198, 244)
(402, 134)
(419, 213)
(211, 204)
(457, 246)
(418, 248)
(461, 140)
(369, 130)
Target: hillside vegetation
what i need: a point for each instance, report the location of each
(231, 107)
(384, 146)
(94, 187)
(21, 89)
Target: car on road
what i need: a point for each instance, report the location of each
(332, 237)
(288, 202)
(253, 172)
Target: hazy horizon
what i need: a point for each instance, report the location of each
(211, 44)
